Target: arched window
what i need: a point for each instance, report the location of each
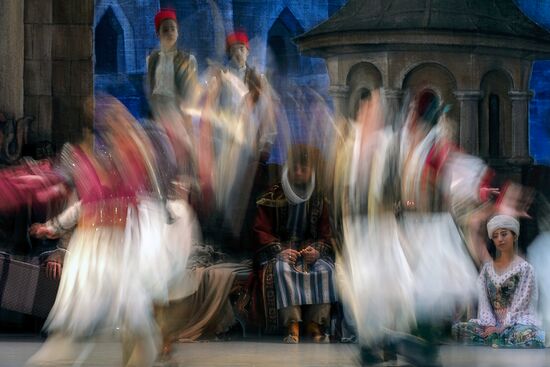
(283, 53)
(109, 45)
(278, 50)
(362, 79)
(363, 96)
(437, 79)
(495, 112)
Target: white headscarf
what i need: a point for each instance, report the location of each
(292, 196)
(502, 221)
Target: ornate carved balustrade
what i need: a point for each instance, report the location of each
(13, 136)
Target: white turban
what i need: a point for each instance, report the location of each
(502, 221)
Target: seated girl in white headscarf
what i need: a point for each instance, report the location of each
(508, 295)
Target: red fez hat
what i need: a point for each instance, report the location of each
(236, 38)
(164, 14)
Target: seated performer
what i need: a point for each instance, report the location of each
(199, 306)
(508, 295)
(295, 259)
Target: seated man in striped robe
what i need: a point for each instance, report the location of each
(295, 257)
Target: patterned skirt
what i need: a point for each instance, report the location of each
(516, 336)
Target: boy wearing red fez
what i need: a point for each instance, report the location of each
(237, 49)
(171, 73)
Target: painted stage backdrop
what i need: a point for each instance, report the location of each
(124, 35)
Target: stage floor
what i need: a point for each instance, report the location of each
(15, 350)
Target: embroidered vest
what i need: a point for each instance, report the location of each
(182, 64)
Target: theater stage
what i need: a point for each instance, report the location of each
(15, 350)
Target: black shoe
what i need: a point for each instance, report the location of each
(418, 352)
(389, 353)
(370, 356)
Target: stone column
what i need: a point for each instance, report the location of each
(72, 68)
(340, 94)
(38, 68)
(12, 53)
(469, 120)
(520, 124)
(394, 100)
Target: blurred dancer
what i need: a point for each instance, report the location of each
(122, 255)
(246, 94)
(237, 73)
(376, 281)
(538, 254)
(241, 111)
(407, 265)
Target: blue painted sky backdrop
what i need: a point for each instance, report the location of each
(539, 119)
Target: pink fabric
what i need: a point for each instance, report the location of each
(87, 182)
(484, 194)
(40, 184)
(29, 185)
(89, 186)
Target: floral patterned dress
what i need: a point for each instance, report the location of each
(507, 301)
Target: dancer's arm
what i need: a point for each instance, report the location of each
(58, 225)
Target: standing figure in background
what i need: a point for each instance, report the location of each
(507, 295)
(295, 256)
(173, 90)
(245, 91)
(242, 111)
(171, 73)
(236, 73)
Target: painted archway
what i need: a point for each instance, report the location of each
(128, 49)
(362, 79)
(495, 111)
(436, 77)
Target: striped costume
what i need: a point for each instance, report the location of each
(280, 225)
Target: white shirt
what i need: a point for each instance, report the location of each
(240, 72)
(523, 305)
(165, 84)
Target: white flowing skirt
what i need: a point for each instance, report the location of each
(376, 281)
(112, 275)
(538, 255)
(395, 272)
(444, 273)
(165, 248)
